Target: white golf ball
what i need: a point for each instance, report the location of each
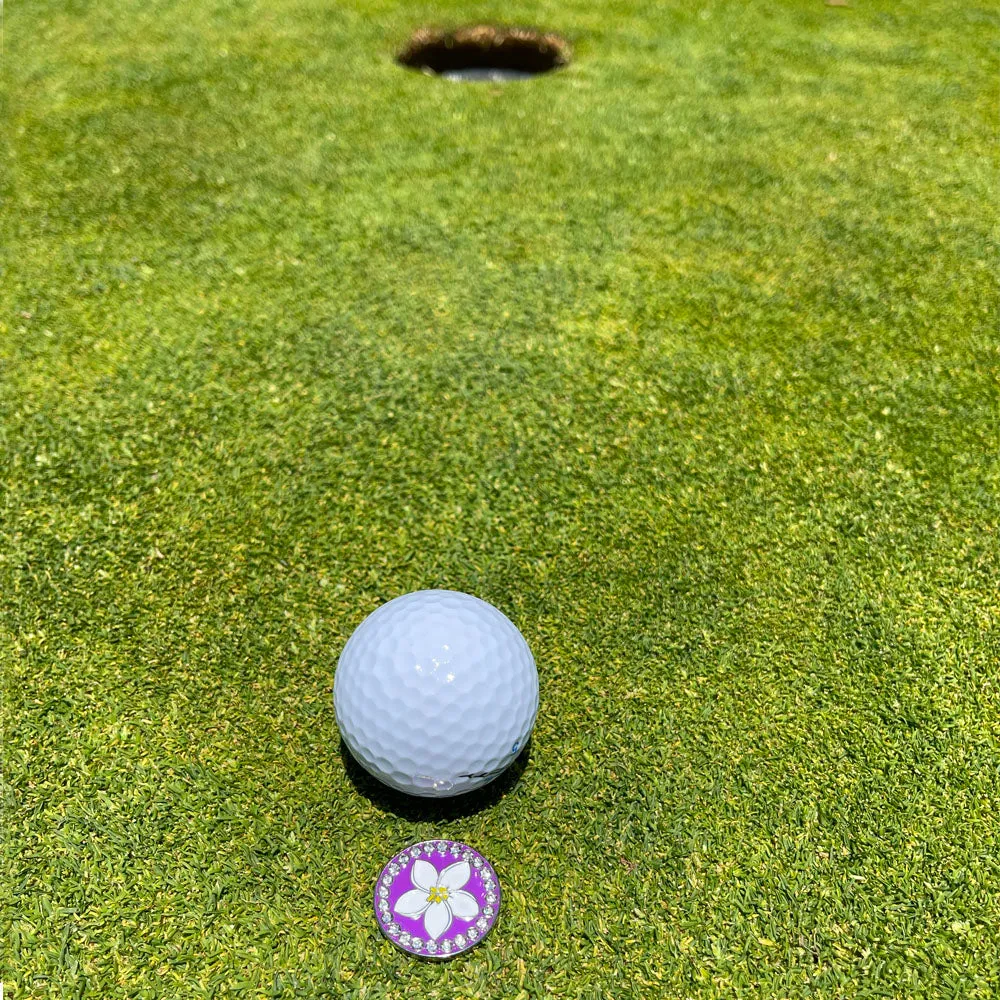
(436, 693)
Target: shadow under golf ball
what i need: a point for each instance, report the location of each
(431, 809)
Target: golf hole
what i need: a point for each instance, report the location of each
(484, 52)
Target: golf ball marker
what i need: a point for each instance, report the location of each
(437, 899)
(436, 693)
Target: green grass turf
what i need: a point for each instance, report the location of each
(686, 358)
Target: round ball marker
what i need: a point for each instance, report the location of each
(437, 898)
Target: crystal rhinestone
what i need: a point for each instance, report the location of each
(459, 940)
(481, 923)
(477, 862)
(446, 946)
(383, 892)
(417, 942)
(403, 858)
(432, 946)
(490, 898)
(466, 855)
(488, 911)
(473, 933)
(393, 928)
(393, 869)
(404, 938)
(386, 880)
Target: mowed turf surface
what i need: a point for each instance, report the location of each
(686, 358)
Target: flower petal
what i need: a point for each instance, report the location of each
(412, 903)
(463, 904)
(423, 875)
(437, 920)
(455, 876)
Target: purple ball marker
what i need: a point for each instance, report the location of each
(437, 898)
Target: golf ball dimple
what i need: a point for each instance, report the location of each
(435, 693)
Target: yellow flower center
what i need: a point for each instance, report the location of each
(438, 894)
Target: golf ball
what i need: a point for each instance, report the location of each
(436, 693)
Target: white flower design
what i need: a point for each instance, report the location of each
(438, 897)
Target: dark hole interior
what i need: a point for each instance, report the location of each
(484, 48)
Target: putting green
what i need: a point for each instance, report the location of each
(684, 356)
